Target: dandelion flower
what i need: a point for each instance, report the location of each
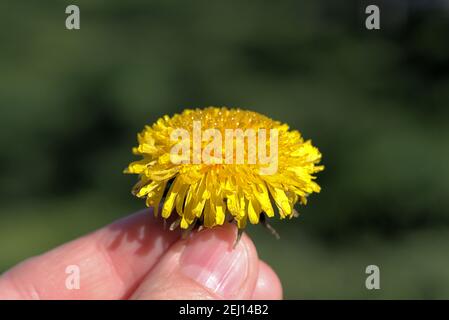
(209, 177)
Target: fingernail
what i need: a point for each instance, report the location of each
(210, 259)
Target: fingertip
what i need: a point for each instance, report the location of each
(214, 259)
(110, 262)
(268, 285)
(207, 265)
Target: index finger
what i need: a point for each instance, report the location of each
(111, 262)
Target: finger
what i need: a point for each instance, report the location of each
(206, 266)
(111, 262)
(268, 285)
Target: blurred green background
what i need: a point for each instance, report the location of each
(374, 102)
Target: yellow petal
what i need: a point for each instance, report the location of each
(261, 193)
(171, 196)
(201, 194)
(181, 199)
(281, 200)
(137, 167)
(155, 173)
(219, 208)
(253, 211)
(241, 223)
(155, 199)
(209, 217)
(188, 212)
(232, 204)
(143, 191)
(184, 224)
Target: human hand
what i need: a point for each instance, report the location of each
(134, 258)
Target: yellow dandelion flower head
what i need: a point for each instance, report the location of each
(217, 164)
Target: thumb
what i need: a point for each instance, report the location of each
(205, 266)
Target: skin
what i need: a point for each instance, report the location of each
(135, 258)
